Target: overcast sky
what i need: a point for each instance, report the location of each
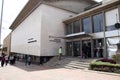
(10, 11)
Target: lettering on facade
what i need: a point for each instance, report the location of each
(55, 40)
(31, 40)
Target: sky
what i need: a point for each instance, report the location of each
(11, 10)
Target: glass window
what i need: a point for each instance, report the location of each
(98, 47)
(111, 18)
(112, 46)
(86, 25)
(98, 23)
(69, 48)
(76, 27)
(69, 28)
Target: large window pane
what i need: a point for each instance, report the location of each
(69, 48)
(69, 28)
(111, 17)
(86, 25)
(98, 47)
(112, 46)
(98, 23)
(76, 27)
(76, 48)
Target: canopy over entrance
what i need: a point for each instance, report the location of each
(77, 35)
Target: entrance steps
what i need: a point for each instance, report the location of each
(69, 63)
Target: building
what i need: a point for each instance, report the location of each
(84, 29)
(92, 33)
(37, 24)
(6, 46)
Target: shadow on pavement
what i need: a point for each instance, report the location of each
(31, 67)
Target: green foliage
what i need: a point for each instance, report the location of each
(104, 66)
(115, 57)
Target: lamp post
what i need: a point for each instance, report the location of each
(1, 16)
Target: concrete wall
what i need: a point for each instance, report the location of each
(6, 44)
(76, 6)
(44, 21)
(28, 30)
(52, 25)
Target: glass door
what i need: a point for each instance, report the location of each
(69, 48)
(86, 49)
(76, 48)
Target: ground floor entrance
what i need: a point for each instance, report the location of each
(89, 48)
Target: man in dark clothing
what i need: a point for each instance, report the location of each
(2, 61)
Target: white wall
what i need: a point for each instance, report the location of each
(29, 28)
(44, 21)
(52, 25)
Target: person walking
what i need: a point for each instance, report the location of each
(29, 60)
(11, 59)
(60, 53)
(26, 60)
(6, 60)
(14, 59)
(2, 60)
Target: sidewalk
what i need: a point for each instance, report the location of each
(37, 72)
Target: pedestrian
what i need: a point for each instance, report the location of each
(2, 60)
(60, 53)
(11, 59)
(6, 60)
(14, 59)
(26, 60)
(29, 60)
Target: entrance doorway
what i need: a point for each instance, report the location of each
(69, 48)
(76, 48)
(86, 49)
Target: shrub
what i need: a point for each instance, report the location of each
(104, 66)
(115, 57)
(107, 60)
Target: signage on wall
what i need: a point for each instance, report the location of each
(55, 40)
(31, 40)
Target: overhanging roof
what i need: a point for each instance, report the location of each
(77, 35)
(94, 10)
(29, 8)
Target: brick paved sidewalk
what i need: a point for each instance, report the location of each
(37, 72)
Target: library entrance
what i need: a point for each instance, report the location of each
(86, 49)
(79, 48)
(73, 48)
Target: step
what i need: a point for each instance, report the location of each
(85, 63)
(74, 67)
(78, 65)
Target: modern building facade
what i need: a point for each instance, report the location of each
(44, 26)
(35, 30)
(6, 46)
(92, 34)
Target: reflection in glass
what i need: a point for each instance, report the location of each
(76, 27)
(69, 28)
(76, 48)
(98, 47)
(86, 25)
(112, 46)
(98, 23)
(69, 48)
